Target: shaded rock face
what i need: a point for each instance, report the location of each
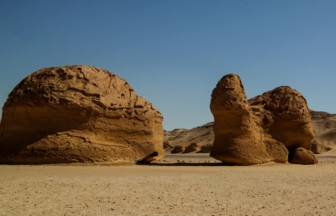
(78, 114)
(318, 148)
(324, 126)
(304, 156)
(260, 130)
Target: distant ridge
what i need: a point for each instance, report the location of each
(324, 127)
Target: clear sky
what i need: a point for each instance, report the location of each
(174, 52)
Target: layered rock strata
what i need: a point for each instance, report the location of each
(264, 129)
(78, 114)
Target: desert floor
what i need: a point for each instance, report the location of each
(171, 188)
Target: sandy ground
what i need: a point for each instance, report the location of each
(194, 157)
(168, 189)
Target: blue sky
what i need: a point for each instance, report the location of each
(174, 52)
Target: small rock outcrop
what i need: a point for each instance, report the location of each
(78, 114)
(193, 147)
(267, 128)
(179, 149)
(317, 148)
(168, 145)
(207, 148)
(304, 156)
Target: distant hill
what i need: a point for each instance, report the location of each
(202, 134)
(324, 127)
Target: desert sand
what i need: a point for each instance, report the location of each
(169, 189)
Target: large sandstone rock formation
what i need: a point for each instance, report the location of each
(286, 116)
(264, 129)
(78, 114)
(324, 126)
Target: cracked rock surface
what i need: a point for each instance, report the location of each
(78, 114)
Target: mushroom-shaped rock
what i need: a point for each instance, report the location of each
(240, 137)
(78, 114)
(193, 147)
(304, 156)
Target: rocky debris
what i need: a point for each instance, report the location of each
(304, 156)
(168, 145)
(317, 148)
(78, 114)
(207, 148)
(179, 149)
(264, 129)
(193, 147)
(324, 126)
